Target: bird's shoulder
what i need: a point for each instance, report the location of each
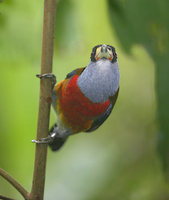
(61, 85)
(77, 71)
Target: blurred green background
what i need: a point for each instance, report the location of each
(128, 157)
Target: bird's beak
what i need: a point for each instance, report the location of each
(103, 52)
(104, 48)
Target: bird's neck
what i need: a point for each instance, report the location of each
(99, 80)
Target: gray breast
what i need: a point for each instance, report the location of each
(99, 80)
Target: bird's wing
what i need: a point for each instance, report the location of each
(58, 87)
(99, 120)
(77, 71)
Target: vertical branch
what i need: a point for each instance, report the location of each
(37, 191)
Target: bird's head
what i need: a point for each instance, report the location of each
(103, 51)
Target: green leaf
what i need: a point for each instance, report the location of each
(146, 23)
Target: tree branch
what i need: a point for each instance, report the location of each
(5, 198)
(37, 191)
(14, 183)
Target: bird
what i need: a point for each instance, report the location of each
(85, 98)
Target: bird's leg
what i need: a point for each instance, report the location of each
(46, 140)
(51, 137)
(50, 76)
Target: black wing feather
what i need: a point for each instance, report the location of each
(77, 71)
(99, 121)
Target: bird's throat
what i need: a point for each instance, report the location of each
(99, 80)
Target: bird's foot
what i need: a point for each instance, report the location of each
(50, 76)
(46, 140)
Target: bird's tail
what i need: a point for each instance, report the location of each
(58, 142)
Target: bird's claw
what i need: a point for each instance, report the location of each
(46, 140)
(50, 76)
(43, 140)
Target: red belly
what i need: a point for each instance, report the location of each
(78, 111)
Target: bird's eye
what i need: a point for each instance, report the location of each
(109, 48)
